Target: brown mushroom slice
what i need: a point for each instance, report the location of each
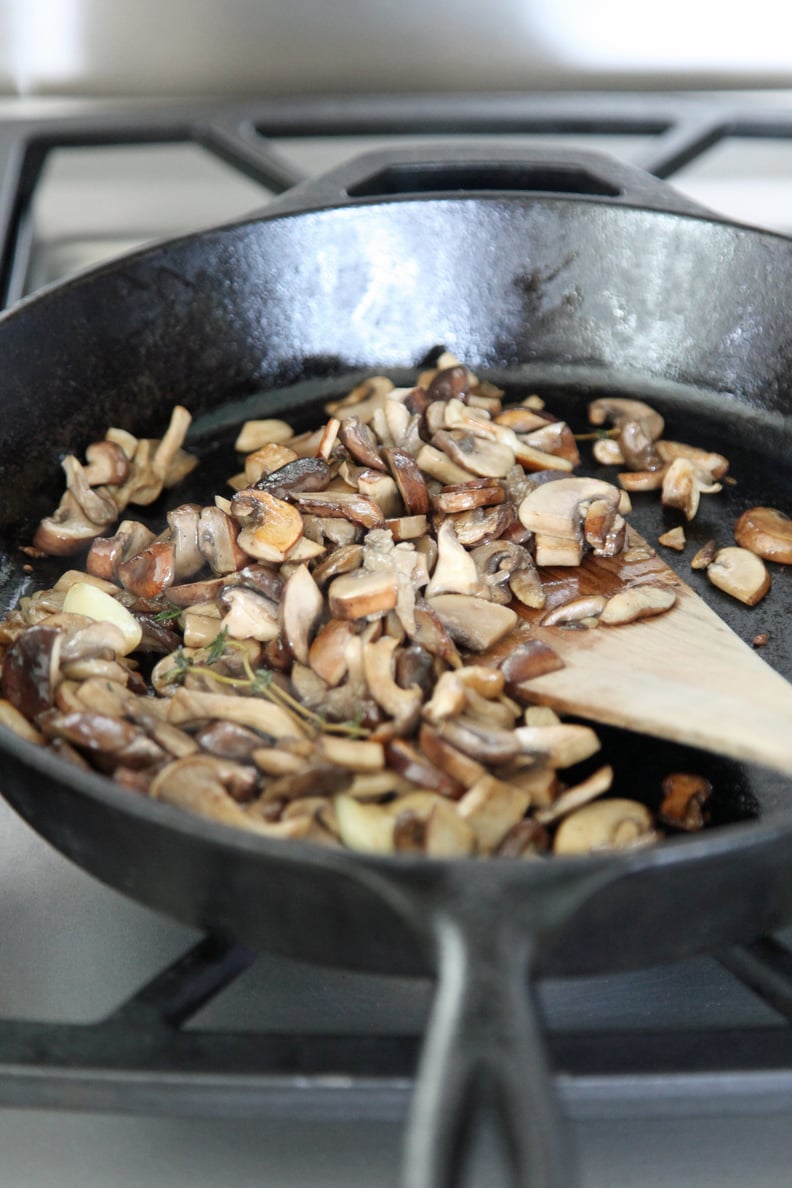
(449, 383)
(684, 799)
(348, 505)
(368, 828)
(492, 807)
(183, 523)
(526, 586)
(148, 573)
(191, 593)
(459, 497)
(403, 758)
(97, 733)
(574, 798)
(455, 569)
(448, 700)
(521, 419)
(361, 443)
(704, 556)
(683, 484)
(555, 513)
(604, 826)
(616, 410)
(473, 622)
(255, 434)
(637, 602)
(561, 746)
(526, 660)
(249, 615)
(218, 541)
(477, 455)
(637, 481)
(715, 465)
(527, 839)
(191, 706)
(300, 609)
(299, 474)
(410, 481)
(766, 532)
(97, 504)
(740, 573)
(442, 754)
(402, 705)
(363, 594)
(380, 489)
(209, 786)
(604, 530)
(30, 670)
(555, 439)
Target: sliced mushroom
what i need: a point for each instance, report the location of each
(300, 610)
(555, 513)
(218, 541)
(439, 466)
(183, 523)
(66, 531)
(473, 622)
(298, 474)
(528, 659)
(382, 490)
(402, 705)
(248, 615)
(485, 743)
(492, 807)
(409, 762)
(572, 799)
(740, 573)
(455, 569)
(674, 539)
(637, 602)
(575, 611)
(715, 465)
(264, 461)
(255, 434)
(443, 755)
(363, 594)
(361, 443)
(271, 528)
(188, 706)
(106, 464)
(347, 505)
(684, 799)
(477, 455)
(561, 746)
(149, 572)
(606, 451)
(683, 484)
(327, 654)
(368, 828)
(13, 719)
(704, 556)
(766, 532)
(617, 410)
(606, 825)
(30, 670)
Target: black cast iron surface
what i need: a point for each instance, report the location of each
(564, 273)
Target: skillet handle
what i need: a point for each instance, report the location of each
(468, 169)
(484, 1053)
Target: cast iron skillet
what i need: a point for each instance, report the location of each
(567, 274)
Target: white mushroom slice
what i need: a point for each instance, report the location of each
(574, 798)
(683, 484)
(715, 465)
(740, 573)
(403, 705)
(218, 541)
(490, 459)
(607, 825)
(555, 513)
(83, 598)
(637, 602)
(555, 439)
(439, 466)
(473, 622)
(428, 823)
(363, 399)
(249, 615)
(491, 807)
(199, 631)
(271, 526)
(73, 577)
(362, 594)
(328, 439)
(448, 699)
(618, 410)
(12, 719)
(255, 434)
(265, 460)
(382, 490)
(674, 539)
(368, 828)
(407, 528)
(300, 609)
(766, 532)
(607, 452)
(704, 556)
(97, 504)
(561, 746)
(192, 705)
(541, 715)
(183, 523)
(327, 653)
(354, 754)
(642, 480)
(455, 570)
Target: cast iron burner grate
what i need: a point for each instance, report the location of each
(143, 1058)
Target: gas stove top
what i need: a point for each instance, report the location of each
(133, 1051)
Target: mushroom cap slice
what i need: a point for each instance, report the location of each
(472, 622)
(605, 825)
(555, 508)
(741, 573)
(766, 532)
(300, 609)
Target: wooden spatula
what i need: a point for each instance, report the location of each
(683, 675)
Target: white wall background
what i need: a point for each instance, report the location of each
(210, 47)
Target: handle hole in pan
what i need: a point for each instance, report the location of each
(495, 175)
